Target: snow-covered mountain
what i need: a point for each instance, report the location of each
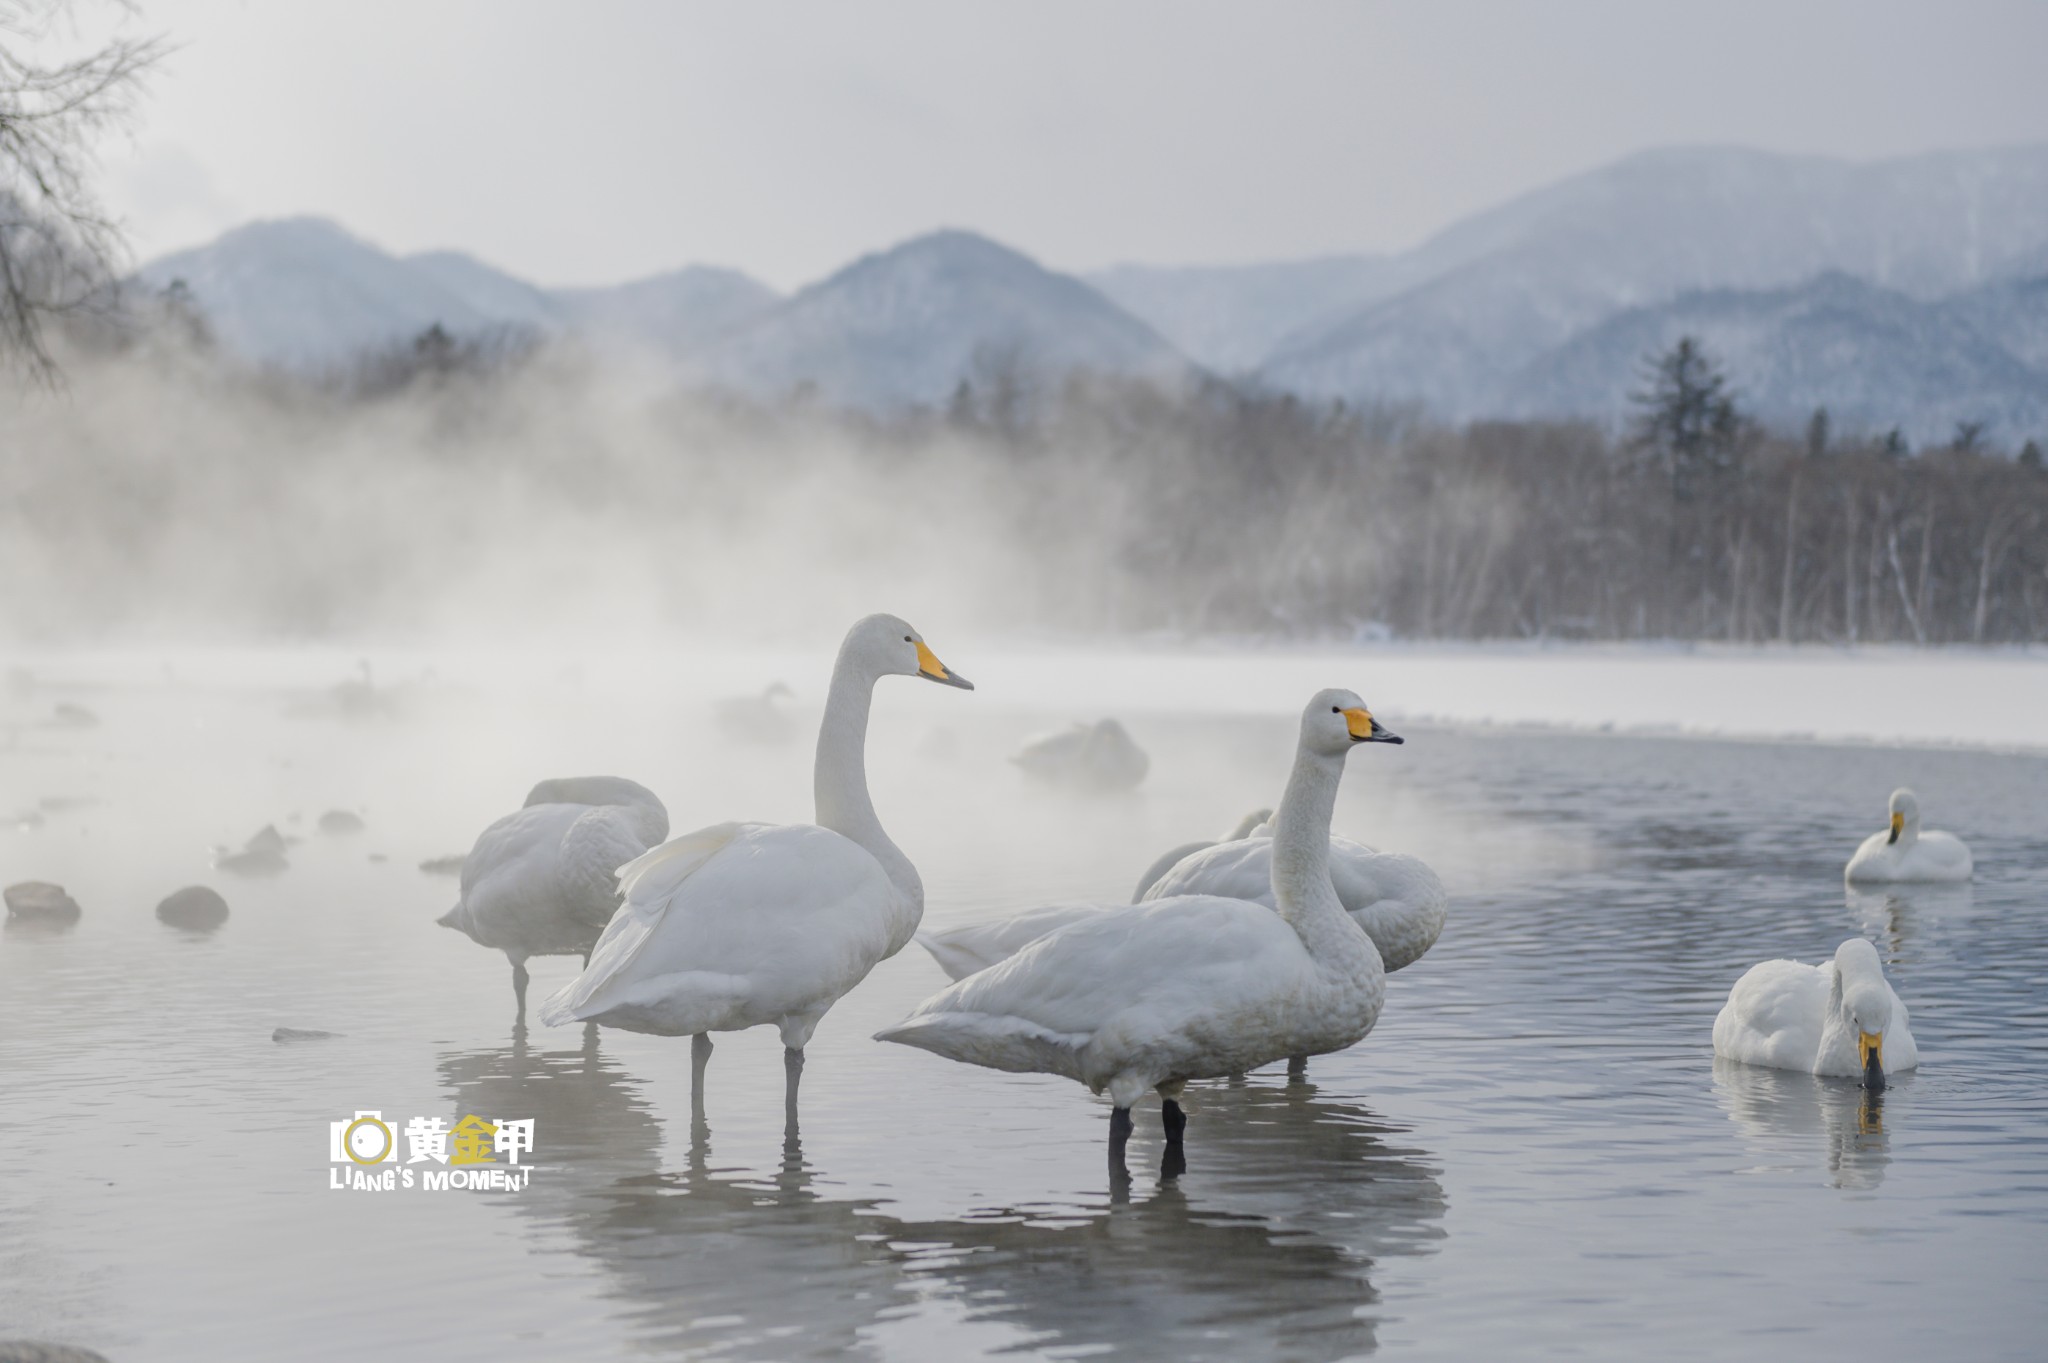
(1229, 317)
(1499, 289)
(301, 293)
(1874, 357)
(1910, 292)
(304, 294)
(674, 314)
(907, 325)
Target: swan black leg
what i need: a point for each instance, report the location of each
(792, 1075)
(519, 987)
(1119, 1136)
(1297, 1068)
(1175, 1161)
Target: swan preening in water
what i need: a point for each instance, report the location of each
(1838, 1019)
(1098, 756)
(1195, 987)
(744, 924)
(1903, 852)
(542, 882)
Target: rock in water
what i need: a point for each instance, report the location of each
(301, 1034)
(444, 866)
(41, 1351)
(262, 855)
(340, 821)
(41, 902)
(195, 907)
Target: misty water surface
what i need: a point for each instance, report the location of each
(1534, 1153)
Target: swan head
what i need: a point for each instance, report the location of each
(1905, 808)
(1866, 1006)
(1336, 720)
(889, 647)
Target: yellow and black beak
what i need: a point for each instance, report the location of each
(1870, 1047)
(1365, 729)
(931, 669)
(1898, 827)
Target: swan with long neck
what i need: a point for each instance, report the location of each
(540, 882)
(1904, 853)
(1149, 996)
(745, 924)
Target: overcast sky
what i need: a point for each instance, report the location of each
(602, 140)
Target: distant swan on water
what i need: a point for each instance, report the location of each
(1904, 853)
(1149, 996)
(542, 882)
(745, 924)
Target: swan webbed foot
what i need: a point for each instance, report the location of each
(1173, 1119)
(1297, 1068)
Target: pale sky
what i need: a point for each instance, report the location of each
(608, 139)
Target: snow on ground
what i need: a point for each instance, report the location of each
(1976, 698)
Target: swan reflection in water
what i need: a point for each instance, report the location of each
(1904, 917)
(1831, 1123)
(1263, 1248)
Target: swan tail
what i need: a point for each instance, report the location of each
(956, 960)
(649, 884)
(1015, 1044)
(457, 918)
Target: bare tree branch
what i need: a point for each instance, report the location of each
(58, 248)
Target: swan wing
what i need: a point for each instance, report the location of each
(511, 895)
(1175, 986)
(1166, 862)
(962, 951)
(1774, 1015)
(1397, 899)
(743, 924)
(648, 885)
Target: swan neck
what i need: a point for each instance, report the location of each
(1301, 853)
(840, 779)
(1909, 832)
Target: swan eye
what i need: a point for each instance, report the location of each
(907, 639)
(1336, 709)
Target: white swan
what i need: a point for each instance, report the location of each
(1098, 756)
(541, 882)
(1839, 1018)
(1153, 995)
(1259, 820)
(742, 924)
(1397, 899)
(962, 951)
(757, 718)
(1906, 853)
